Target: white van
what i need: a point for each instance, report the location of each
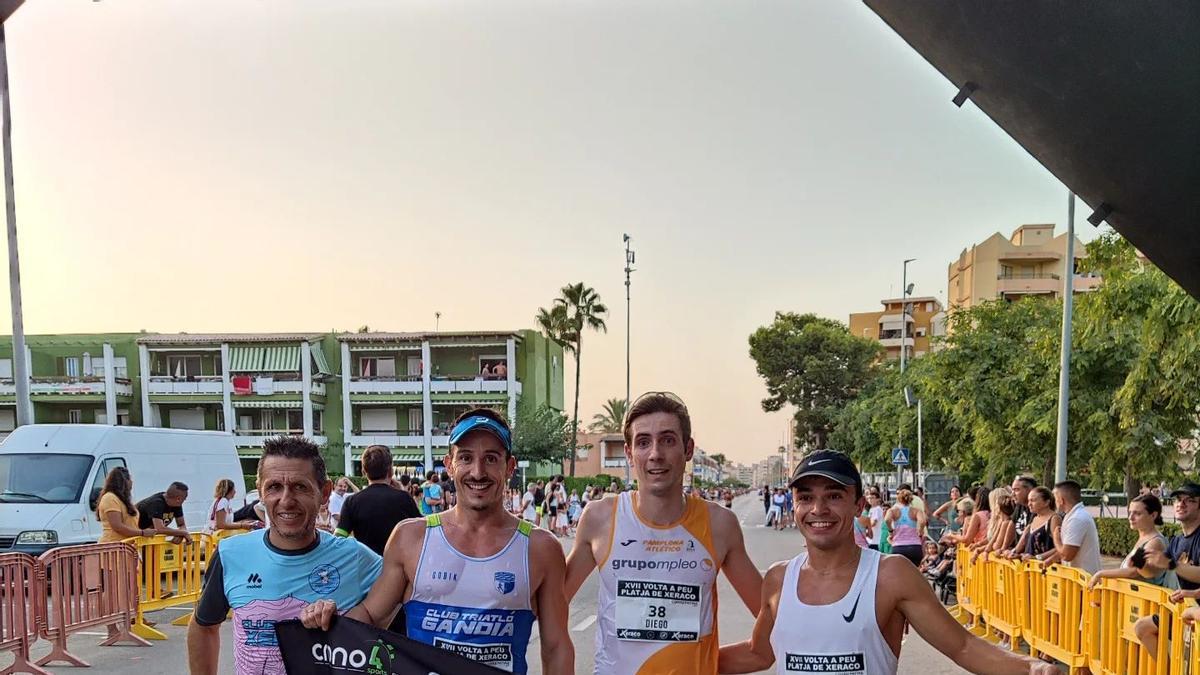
(51, 476)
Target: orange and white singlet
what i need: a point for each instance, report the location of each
(658, 595)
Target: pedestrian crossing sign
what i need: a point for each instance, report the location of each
(899, 456)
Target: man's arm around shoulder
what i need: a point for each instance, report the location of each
(558, 652)
(742, 573)
(757, 653)
(594, 526)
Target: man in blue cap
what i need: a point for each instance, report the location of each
(474, 578)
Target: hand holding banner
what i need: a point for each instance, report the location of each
(351, 647)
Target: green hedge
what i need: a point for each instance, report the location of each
(1117, 539)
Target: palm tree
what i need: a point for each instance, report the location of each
(611, 419)
(553, 323)
(578, 308)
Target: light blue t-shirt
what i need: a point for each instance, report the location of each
(432, 491)
(263, 585)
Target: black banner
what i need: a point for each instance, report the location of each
(350, 647)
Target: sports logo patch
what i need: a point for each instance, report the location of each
(324, 579)
(505, 582)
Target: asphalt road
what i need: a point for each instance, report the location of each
(765, 546)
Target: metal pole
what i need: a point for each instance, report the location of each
(903, 350)
(20, 366)
(920, 451)
(628, 270)
(1064, 360)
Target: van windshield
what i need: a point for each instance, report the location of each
(42, 478)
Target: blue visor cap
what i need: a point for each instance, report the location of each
(481, 423)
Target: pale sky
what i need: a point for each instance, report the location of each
(254, 165)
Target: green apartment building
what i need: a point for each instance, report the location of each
(345, 391)
(77, 379)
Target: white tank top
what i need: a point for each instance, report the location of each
(476, 607)
(658, 595)
(841, 637)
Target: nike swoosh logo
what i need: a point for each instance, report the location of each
(850, 617)
(817, 461)
(626, 543)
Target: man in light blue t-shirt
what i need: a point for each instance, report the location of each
(431, 494)
(267, 577)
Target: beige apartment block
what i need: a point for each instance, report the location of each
(926, 320)
(1030, 262)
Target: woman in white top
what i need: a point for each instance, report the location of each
(220, 514)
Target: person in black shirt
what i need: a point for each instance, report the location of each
(539, 498)
(160, 509)
(371, 514)
(1022, 516)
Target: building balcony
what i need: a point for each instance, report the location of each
(205, 384)
(1028, 283)
(392, 439)
(1030, 256)
(254, 438)
(385, 385)
(891, 343)
(475, 385)
(67, 386)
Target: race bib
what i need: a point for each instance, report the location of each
(658, 611)
(853, 663)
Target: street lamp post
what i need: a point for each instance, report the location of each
(905, 290)
(1064, 359)
(20, 365)
(629, 258)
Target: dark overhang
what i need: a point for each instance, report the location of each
(1104, 93)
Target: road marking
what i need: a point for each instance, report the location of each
(92, 634)
(585, 623)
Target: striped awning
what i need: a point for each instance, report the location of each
(238, 403)
(319, 359)
(281, 359)
(244, 359)
(264, 359)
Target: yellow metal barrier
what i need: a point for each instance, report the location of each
(1050, 608)
(1115, 649)
(221, 535)
(1057, 614)
(966, 610)
(170, 575)
(1005, 598)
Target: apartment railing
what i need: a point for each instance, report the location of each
(1027, 275)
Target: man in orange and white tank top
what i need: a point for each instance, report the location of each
(841, 608)
(658, 554)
